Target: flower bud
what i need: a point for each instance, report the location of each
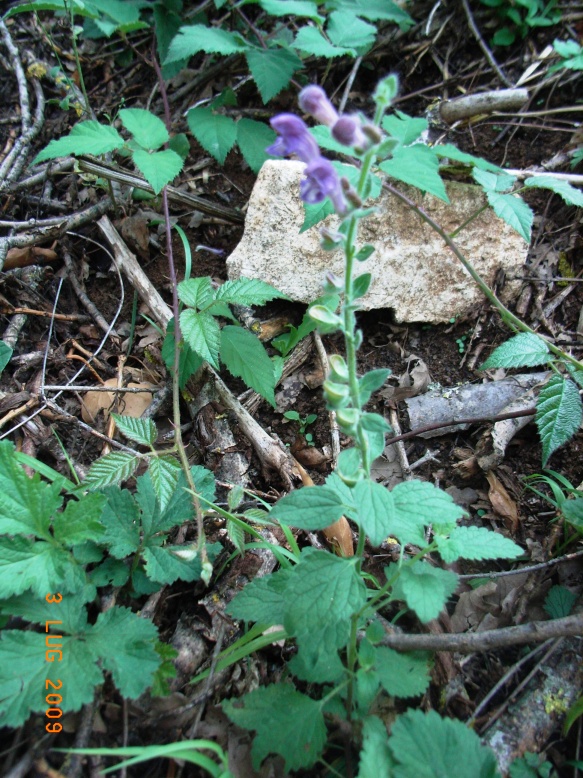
(332, 284)
(336, 395)
(372, 133)
(330, 241)
(347, 419)
(348, 131)
(313, 100)
(338, 368)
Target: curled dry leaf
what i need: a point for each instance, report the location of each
(129, 404)
(412, 382)
(502, 502)
(29, 255)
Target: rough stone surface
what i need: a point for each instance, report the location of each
(414, 273)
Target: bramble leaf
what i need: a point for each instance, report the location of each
(88, 137)
(253, 138)
(559, 602)
(417, 165)
(558, 414)
(149, 130)
(375, 755)
(120, 518)
(164, 472)
(41, 567)
(375, 10)
(164, 566)
(245, 357)
(570, 194)
(272, 69)
(309, 508)
(424, 745)
(347, 30)
(476, 543)
(248, 291)
(572, 510)
(80, 520)
(158, 168)
(141, 431)
(111, 469)
(514, 211)
(450, 151)
(404, 128)
(311, 41)
(198, 37)
(215, 133)
(424, 588)
(299, 8)
(197, 292)
(286, 722)
(203, 334)
(402, 675)
(522, 350)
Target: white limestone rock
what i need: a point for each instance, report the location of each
(414, 272)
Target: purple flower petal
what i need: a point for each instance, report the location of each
(313, 100)
(294, 138)
(322, 181)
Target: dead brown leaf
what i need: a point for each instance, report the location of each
(502, 502)
(130, 404)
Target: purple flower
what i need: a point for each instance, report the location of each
(313, 100)
(348, 131)
(294, 138)
(322, 181)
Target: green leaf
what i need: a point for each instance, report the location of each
(315, 213)
(120, 518)
(215, 133)
(559, 602)
(111, 469)
(141, 431)
(374, 505)
(204, 482)
(179, 143)
(572, 510)
(149, 131)
(199, 37)
(80, 520)
(203, 335)
(450, 151)
(299, 8)
(89, 137)
(26, 504)
(309, 508)
(189, 361)
(364, 253)
(361, 285)
(569, 194)
(476, 543)
(558, 414)
(311, 41)
(69, 612)
(424, 745)
(493, 182)
(514, 211)
(375, 10)
(197, 292)
(158, 168)
(245, 357)
(41, 567)
(417, 165)
(154, 519)
(286, 722)
(419, 504)
(424, 588)
(248, 291)
(164, 472)
(262, 599)
(5, 355)
(272, 70)
(523, 350)
(372, 381)
(375, 756)
(347, 30)
(164, 566)
(253, 138)
(402, 675)
(404, 128)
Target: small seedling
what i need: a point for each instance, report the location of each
(303, 423)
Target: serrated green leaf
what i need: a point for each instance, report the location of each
(272, 69)
(514, 211)
(164, 566)
(424, 745)
(39, 566)
(111, 469)
(148, 130)
(5, 355)
(299, 8)
(404, 128)
(310, 508)
(558, 414)
(572, 510)
(203, 334)
(199, 37)
(69, 612)
(493, 182)
(155, 519)
(424, 588)
(417, 165)
(476, 543)
(245, 357)
(317, 659)
(111, 572)
(569, 194)
(164, 472)
(375, 756)
(189, 361)
(315, 213)
(253, 138)
(402, 675)
(236, 535)
(26, 504)
(120, 517)
(262, 600)
(215, 133)
(80, 520)
(346, 29)
(419, 504)
(450, 151)
(374, 506)
(204, 482)
(248, 291)
(158, 168)
(559, 602)
(286, 722)
(197, 292)
(179, 143)
(141, 431)
(88, 137)
(522, 350)
(375, 10)
(311, 41)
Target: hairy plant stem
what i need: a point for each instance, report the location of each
(206, 566)
(69, 8)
